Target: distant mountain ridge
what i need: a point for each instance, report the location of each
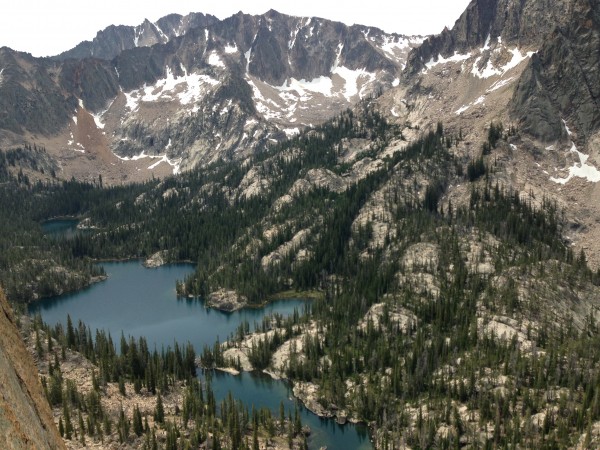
(189, 90)
(114, 39)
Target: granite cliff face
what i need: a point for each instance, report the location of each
(25, 417)
(562, 81)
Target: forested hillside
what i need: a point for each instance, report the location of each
(442, 320)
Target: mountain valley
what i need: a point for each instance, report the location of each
(435, 196)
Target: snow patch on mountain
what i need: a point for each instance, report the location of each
(163, 159)
(231, 49)
(500, 84)
(356, 81)
(164, 37)
(581, 169)
(137, 35)
(390, 43)
(462, 109)
(179, 30)
(188, 89)
(338, 56)
(567, 129)
(290, 102)
(1, 76)
(247, 55)
(396, 48)
(479, 101)
(486, 46)
(322, 85)
(489, 70)
(176, 163)
(98, 120)
(457, 57)
(293, 37)
(215, 60)
(291, 132)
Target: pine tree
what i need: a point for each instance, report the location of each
(159, 412)
(138, 427)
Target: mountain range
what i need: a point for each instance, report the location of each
(188, 91)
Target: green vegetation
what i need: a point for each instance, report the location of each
(198, 419)
(441, 321)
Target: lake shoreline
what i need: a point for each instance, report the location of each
(139, 302)
(237, 353)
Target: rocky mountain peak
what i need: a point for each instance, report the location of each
(114, 39)
(520, 23)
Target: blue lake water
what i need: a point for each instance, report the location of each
(61, 228)
(142, 302)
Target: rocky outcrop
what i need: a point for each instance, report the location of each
(158, 259)
(308, 394)
(25, 417)
(226, 300)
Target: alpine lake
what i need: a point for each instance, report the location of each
(137, 301)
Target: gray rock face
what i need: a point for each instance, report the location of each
(524, 23)
(111, 41)
(25, 417)
(29, 99)
(562, 78)
(562, 82)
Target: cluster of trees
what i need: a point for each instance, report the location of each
(14, 160)
(203, 216)
(420, 363)
(228, 424)
(33, 265)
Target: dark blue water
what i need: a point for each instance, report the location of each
(142, 302)
(61, 228)
(260, 389)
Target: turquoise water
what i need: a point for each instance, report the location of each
(142, 302)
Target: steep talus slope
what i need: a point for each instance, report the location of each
(25, 417)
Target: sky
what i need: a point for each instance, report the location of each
(45, 28)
